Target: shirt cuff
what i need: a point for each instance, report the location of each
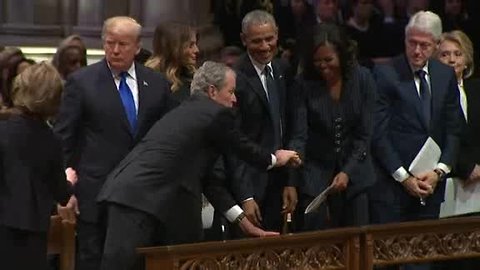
(400, 175)
(444, 167)
(232, 213)
(274, 161)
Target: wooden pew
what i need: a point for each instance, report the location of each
(333, 249)
(61, 240)
(421, 241)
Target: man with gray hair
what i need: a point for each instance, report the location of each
(417, 99)
(107, 108)
(154, 196)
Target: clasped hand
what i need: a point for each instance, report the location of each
(287, 157)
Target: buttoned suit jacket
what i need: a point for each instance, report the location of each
(329, 146)
(94, 128)
(400, 128)
(255, 120)
(166, 172)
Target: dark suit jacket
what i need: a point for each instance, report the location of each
(400, 131)
(163, 174)
(335, 136)
(32, 177)
(255, 121)
(94, 127)
(469, 154)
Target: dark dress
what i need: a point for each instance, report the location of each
(32, 179)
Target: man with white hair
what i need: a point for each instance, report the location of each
(417, 99)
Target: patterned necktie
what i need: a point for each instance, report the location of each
(128, 102)
(274, 102)
(425, 96)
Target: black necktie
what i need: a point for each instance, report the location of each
(425, 96)
(274, 102)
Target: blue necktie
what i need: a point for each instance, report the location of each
(128, 102)
(425, 96)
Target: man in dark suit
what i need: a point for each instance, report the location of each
(261, 95)
(107, 108)
(154, 195)
(418, 99)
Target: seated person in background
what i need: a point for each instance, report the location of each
(68, 59)
(31, 168)
(154, 194)
(332, 128)
(175, 55)
(229, 55)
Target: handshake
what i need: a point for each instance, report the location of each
(287, 157)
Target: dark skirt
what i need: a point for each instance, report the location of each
(21, 249)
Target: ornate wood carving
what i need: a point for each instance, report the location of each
(315, 257)
(426, 245)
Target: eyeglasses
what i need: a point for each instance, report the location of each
(423, 45)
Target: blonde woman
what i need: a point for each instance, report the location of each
(456, 49)
(175, 53)
(32, 177)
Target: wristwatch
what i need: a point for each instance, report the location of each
(239, 218)
(440, 173)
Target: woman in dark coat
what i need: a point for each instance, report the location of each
(332, 128)
(32, 177)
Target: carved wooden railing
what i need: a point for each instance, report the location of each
(61, 241)
(352, 248)
(420, 241)
(334, 249)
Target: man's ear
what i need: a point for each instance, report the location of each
(211, 91)
(243, 37)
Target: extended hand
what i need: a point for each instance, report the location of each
(287, 156)
(289, 199)
(70, 211)
(251, 230)
(252, 211)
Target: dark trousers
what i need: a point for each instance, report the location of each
(127, 230)
(336, 211)
(90, 241)
(22, 250)
(402, 210)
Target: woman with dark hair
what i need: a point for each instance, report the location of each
(332, 129)
(32, 177)
(175, 55)
(68, 59)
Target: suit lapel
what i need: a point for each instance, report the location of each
(110, 90)
(437, 84)
(143, 88)
(246, 67)
(407, 82)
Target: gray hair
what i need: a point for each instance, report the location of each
(257, 17)
(427, 22)
(125, 21)
(210, 73)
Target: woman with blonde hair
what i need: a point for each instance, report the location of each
(32, 177)
(456, 49)
(175, 55)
